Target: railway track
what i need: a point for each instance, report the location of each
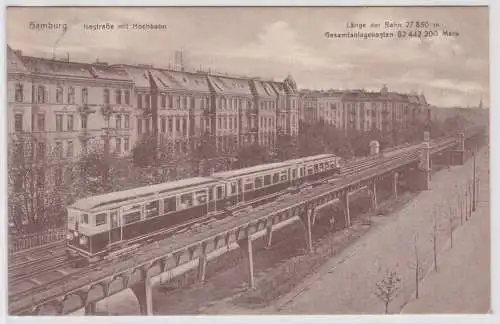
(60, 281)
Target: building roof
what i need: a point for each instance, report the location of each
(230, 85)
(139, 75)
(57, 67)
(279, 88)
(188, 80)
(14, 61)
(107, 72)
(264, 89)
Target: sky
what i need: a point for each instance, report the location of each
(275, 42)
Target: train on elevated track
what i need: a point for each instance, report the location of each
(102, 224)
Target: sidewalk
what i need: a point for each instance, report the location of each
(462, 283)
(349, 286)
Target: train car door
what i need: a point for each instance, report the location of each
(240, 190)
(211, 200)
(115, 231)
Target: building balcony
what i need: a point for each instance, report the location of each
(86, 109)
(84, 135)
(252, 112)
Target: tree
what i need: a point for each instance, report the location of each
(435, 231)
(39, 178)
(286, 147)
(387, 288)
(252, 154)
(451, 219)
(417, 266)
(145, 152)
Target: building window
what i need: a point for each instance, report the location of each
(147, 102)
(184, 103)
(170, 124)
(106, 96)
(219, 123)
(178, 102)
(118, 121)
(69, 151)
(146, 122)
(127, 121)
(184, 126)
(59, 123)
(127, 97)
(126, 145)
(18, 122)
(163, 125)
(71, 95)
(178, 125)
(170, 101)
(84, 121)
(139, 101)
(139, 126)
(40, 122)
(192, 102)
(230, 123)
(59, 150)
(118, 94)
(41, 94)
(41, 151)
(118, 145)
(59, 95)
(163, 102)
(19, 93)
(85, 95)
(70, 123)
(58, 176)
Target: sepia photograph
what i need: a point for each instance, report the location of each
(248, 160)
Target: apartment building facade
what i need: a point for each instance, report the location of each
(363, 110)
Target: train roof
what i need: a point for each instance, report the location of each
(311, 158)
(90, 203)
(268, 166)
(248, 171)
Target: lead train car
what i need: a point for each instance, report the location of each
(98, 224)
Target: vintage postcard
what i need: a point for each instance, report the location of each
(248, 160)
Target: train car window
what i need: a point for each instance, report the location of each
(219, 193)
(152, 209)
(284, 176)
(186, 201)
(258, 182)
(302, 172)
(200, 197)
(248, 187)
(267, 180)
(316, 168)
(294, 173)
(84, 218)
(100, 219)
(310, 170)
(233, 188)
(276, 177)
(131, 214)
(210, 194)
(321, 166)
(170, 204)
